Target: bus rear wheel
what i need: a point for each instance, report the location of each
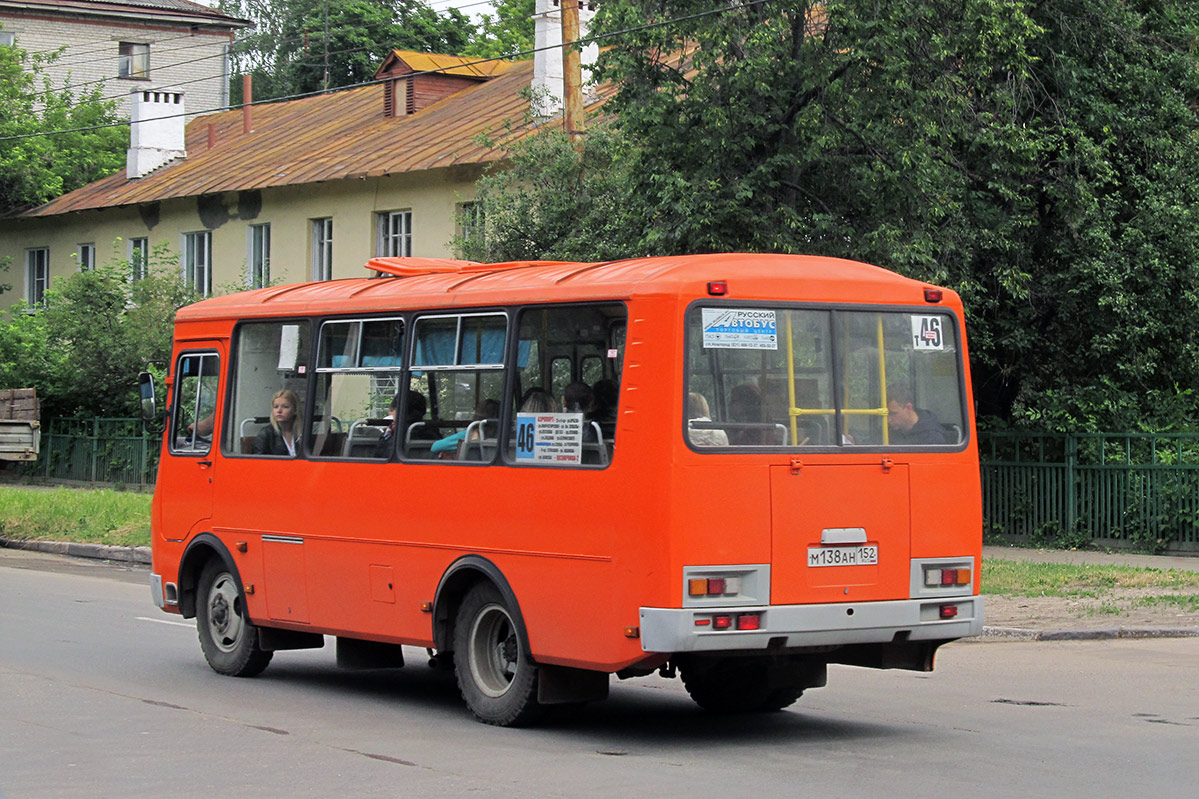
(729, 686)
(496, 676)
(228, 639)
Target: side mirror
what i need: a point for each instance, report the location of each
(145, 385)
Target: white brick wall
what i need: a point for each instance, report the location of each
(180, 60)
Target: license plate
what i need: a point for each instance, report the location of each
(843, 556)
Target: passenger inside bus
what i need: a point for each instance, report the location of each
(745, 408)
(414, 426)
(604, 396)
(698, 411)
(909, 424)
(538, 400)
(281, 436)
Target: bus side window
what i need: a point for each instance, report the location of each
(458, 365)
(357, 385)
(269, 358)
(197, 377)
(568, 363)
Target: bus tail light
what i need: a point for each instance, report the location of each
(731, 621)
(948, 611)
(932, 295)
(749, 621)
(718, 288)
(714, 586)
(944, 578)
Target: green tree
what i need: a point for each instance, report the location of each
(507, 33)
(35, 165)
(1037, 156)
(97, 330)
(309, 45)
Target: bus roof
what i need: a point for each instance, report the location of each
(414, 283)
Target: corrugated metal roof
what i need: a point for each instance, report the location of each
(452, 64)
(173, 8)
(336, 136)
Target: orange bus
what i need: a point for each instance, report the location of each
(737, 468)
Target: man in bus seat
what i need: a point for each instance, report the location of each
(909, 424)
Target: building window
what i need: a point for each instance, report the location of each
(470, 221)
(87, 257)
(7, 39)
(197, 261)
(134, 61)
(37, 275)
(139, 259)
(258, 260)
(322, 249)
(394, 233)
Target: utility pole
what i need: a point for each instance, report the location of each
(326, 81)
(572, 73)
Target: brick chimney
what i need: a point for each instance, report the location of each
(547, 61)
(156, 132)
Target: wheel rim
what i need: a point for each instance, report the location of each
(225, 623)
(494, 650)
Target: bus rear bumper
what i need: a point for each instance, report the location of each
(670, 630)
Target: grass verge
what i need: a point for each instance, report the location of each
(95, 516)
(1134, 586)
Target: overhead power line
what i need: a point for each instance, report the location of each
(580, 42)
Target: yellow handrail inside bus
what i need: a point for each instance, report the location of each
(882, 380)
(791, 380)
(794, 412)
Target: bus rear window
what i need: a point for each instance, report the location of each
(799, 377)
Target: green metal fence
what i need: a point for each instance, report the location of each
(1121, 490)
(99, 450)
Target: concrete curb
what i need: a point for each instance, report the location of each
(1105, 634)
(139, 556)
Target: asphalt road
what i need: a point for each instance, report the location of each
(101, 695)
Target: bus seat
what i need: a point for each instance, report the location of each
(595, 452)
(418, 440)
(363, 439)
(249, 436)
(478, 445)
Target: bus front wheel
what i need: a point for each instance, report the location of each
(495, 674)
(228, 639)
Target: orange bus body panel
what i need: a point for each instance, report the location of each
(582, 550)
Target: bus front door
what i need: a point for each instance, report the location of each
(188, 467)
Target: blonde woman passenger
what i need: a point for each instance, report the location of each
(282, 436)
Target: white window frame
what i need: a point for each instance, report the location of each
(393, 233)
(197, 261)
(86, 255)
(322, 248)
(470, 220)
(133, 60)
(258, 255)
(37, 275)
(139, 258)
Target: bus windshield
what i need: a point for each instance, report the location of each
(821, 377)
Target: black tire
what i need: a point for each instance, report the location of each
(736, 687)
(496, 676)
(229, 640)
